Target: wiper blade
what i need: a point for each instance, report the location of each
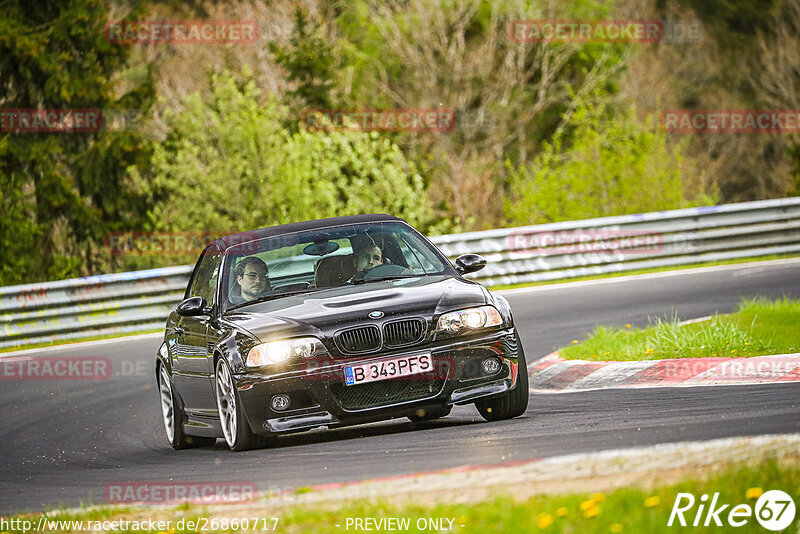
(388, 277)
(273, 296)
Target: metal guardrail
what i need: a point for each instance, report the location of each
(90, 306)
(665, 239)
(141, 300)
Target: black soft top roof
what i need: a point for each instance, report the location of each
(271, 231)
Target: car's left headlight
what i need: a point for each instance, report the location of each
(464, 321)
(283, 350)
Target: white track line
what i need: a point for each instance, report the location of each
(555, 285)
(80, 344)
(610, 375)
(545, 374)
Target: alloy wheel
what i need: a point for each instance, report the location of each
(226, 403)
(167, 405)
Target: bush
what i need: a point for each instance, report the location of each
(230, 163)
(614, 166)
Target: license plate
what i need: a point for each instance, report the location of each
(389, 368)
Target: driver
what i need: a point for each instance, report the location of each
(252, 277)
(368, 257)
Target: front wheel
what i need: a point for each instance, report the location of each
(513, 403)
(235, 427)
(172, 416)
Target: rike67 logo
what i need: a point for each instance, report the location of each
(774, 510)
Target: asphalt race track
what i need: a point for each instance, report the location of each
(61, 442)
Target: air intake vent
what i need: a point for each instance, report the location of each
(374, 394)
(405, 332)
(358, 340)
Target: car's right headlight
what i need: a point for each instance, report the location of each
(282, 350)
(469, 320)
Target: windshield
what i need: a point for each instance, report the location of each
(331, 257)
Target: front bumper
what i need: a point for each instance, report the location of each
(318, 396)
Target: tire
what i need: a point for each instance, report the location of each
(173, 416)
(236, 430)
(429, 414)
(513, 403)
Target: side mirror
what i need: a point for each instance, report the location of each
(470, 263)
(192, 307)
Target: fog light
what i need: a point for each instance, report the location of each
(280, 402)
(491, 366)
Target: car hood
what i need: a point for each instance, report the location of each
(322, 312)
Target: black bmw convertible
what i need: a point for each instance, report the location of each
(328, 323)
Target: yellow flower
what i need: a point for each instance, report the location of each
(652, 501)
(574, 341)
(616, 528)
(587, 505)
(627, 325)
(562, 512)
(754, 493)
(592, 512)
(607, 353)
(544, 520)
(747, 343)
(649, 351)
(598, 497)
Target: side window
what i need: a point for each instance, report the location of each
(417, 262)
(204, 282)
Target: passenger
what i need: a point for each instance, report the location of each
(252, 279)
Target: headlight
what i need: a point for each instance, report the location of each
(470, 319)
(284, 349)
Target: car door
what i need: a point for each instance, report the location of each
(193, 373)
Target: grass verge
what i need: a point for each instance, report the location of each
(628, 509)
(757, 328)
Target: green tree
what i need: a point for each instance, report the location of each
(230, 163)
(61, 192)
(614, 166)
(309, 62)
(508, 94)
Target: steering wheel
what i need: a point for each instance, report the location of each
(378, 271)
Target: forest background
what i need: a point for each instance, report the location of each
(215, 139)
